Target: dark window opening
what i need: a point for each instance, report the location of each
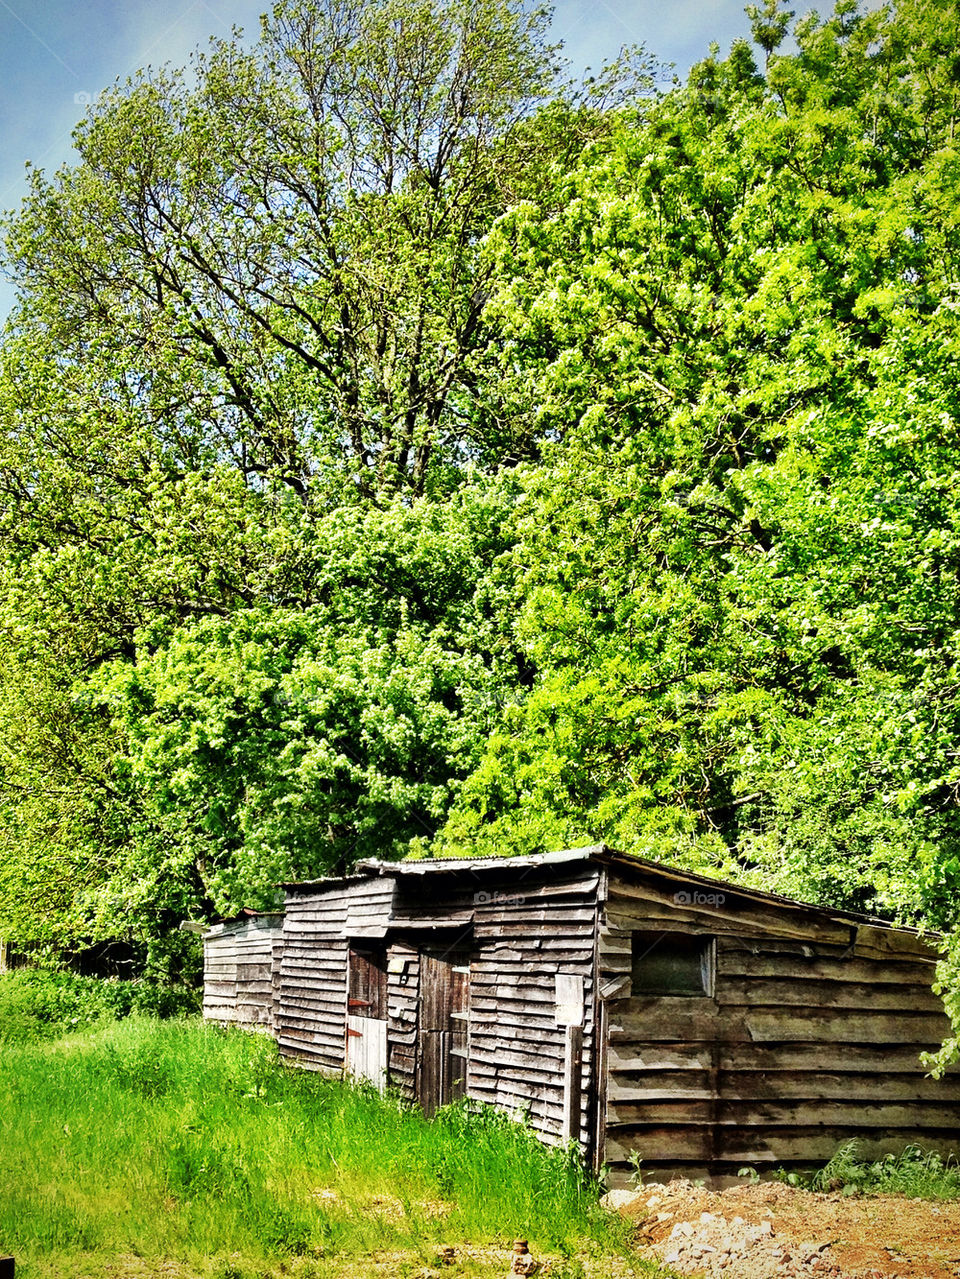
(672, 964)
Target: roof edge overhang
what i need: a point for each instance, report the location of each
(603, 855)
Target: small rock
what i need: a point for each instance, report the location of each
(682, 1230)
(766, 1227)
(615, 1199)
(672, 1255)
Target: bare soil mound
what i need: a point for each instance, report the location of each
(767, 1230)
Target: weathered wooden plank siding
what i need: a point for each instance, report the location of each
(808, 1040)
(238, 966)
(403, 990)
(524, 933)
(311, 1014)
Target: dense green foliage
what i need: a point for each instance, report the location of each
(404, 455)
(36, 1004)
(191, 1147)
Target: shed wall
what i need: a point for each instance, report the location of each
(312, 1003)
(517, 930)
(524, 933)
(239, 963)
(812, 1036)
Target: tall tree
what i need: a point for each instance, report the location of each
(242, 324)
(740, 333)
(275, 258)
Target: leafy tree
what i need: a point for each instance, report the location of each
(258, 743)
(243, 319)
(740, 333)
(277, 264)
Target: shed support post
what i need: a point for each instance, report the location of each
(572, 1064)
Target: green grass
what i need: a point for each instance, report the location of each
(182, 1144)
(913, 1172)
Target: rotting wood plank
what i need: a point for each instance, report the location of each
(770, 918)
(253, 972)
(757, 1146)
(525, 992)
(724, 1112)
(517, 1012)
(293, 1001)
(821, 993)
(758, 1085)
(328, 953)
(734, 962)
(301, 962)
(574, 916)
(549, 1061)
(329, 1031)
(302, 1042)
(544, 1081)
(620, 918)
(495, 959)
(862, 1058)
(880, 1028)
(794, 1025)
(322, 978)
(634, 1056)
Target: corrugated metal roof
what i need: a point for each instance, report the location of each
(603, 855)
(424, 865)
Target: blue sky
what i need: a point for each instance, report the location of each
(54, 53)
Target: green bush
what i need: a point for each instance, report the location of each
(40, 1004)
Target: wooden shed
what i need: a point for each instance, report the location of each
(241, 961)
(643, 1012)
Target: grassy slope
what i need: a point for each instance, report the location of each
(194, 1149)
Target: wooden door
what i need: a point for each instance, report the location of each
(443, 1023)
(366, 1051)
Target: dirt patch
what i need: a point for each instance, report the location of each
(767, 1230)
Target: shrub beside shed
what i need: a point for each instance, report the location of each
(642, 1012)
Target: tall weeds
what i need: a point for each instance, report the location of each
(179, 1140)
